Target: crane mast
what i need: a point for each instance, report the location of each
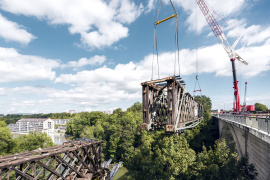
(225, 44)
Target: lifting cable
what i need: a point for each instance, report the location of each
(245, 95)
(240, 78)
(176, 41)
(197, 64)
(246, 81)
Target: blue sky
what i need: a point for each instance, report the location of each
(86, 55)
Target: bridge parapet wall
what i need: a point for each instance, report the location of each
(258, 126)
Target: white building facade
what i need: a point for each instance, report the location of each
(60, 121)
(25, 125)
(46, 125)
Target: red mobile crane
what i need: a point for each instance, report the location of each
(229, 49)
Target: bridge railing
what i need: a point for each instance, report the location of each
(260, 122)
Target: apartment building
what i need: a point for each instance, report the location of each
(37, 124)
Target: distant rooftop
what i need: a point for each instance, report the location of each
(32, 119)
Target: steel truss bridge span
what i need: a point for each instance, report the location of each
(79, 159)
(167, 104)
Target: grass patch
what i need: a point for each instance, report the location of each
(120, 175)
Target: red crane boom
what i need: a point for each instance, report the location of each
(229, 49)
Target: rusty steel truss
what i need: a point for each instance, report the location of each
(80, 159)
(167, 104)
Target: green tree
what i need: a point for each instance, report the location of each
(113, 140)
(220, 163)
(118, 111)
(6, 142)
(136, 107)
(99, 131)
(31, 141)
(81, 120)
(76, 125)
(125, 148)
(156, 155)
(207, 105)
(205, 101)
(207, 131)
(260, 107)
(95, 131)
(88, 132)
(246, 170)
(160, 157)
(204, 134)
(10, 118)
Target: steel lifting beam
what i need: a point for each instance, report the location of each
(172, 16)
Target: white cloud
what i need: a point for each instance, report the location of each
(126, 75)
(23, 103)
(196, 19)
(250, 35)
(150, 5)
(18, 67)
(107, 85)
(126, 11)
(25, 90)
(258, 59)
(107, 34)
(100, 23)
(94, 94)
(84, 62)
(85, 95)
(11, 110)
(122, 82)
(104, 87)
(11, 31)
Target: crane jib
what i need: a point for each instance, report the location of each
(229, 49)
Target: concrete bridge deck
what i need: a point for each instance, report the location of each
(251, 135)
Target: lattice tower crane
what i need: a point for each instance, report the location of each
(229, 49)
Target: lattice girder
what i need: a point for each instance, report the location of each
(72, 160)
(167, 104)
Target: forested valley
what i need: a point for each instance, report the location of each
(197, 153)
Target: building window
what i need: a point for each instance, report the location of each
(49, 125)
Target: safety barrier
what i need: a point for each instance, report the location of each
(260, 122)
